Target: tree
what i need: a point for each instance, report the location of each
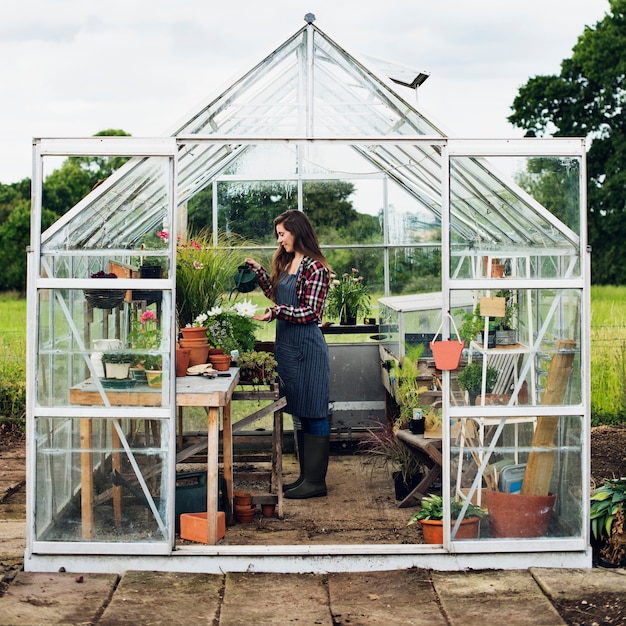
(14, 237)
(587, 99)
(77, 176)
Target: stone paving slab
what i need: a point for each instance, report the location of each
(156, 598)
(280, 599)
(572, 584)
(495, 596)
(61, 598)
(384, 598)
(12, 538)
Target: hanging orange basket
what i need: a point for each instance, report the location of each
(447, 353)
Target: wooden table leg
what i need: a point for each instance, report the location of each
(116, 464)
(277, 461)
(213, 431)
(227, 451)
(179, 435)
(86, 478)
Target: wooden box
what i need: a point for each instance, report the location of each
(193, 526)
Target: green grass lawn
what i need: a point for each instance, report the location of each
(608, 349)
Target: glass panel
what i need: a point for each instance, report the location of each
(414, 270)
(411, 219)
(525, 471)
(82, 334)
(101, 480)
(123, 212)
(542, 333)
(489, 213)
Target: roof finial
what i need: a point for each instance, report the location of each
(309, 18)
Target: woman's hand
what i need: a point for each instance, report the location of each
(266, 317)
(253, 264)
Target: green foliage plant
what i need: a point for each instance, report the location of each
(257, 367)
(204, 273)
(348, 297)
(432, 509)
(118, 356)
(406, 387)
(472, 324)
(145, 334)
(607, 518)
(471, 377)
(232, 328)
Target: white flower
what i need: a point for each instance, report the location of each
(216, 310)
(200, 319)
(245, 308)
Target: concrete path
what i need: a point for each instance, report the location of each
(416, 597)
(540, 597)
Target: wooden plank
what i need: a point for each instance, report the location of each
(262, 412)
(86, 480)
(541, 459)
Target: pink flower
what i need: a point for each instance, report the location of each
(163, 234)
(147, 315)
(196, 245)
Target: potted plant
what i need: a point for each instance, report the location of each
(257, 367)
(104, 298)
(430, 517)
(383, 450)
(407, 390)
(117, 363)
(204, 273)
(471, 379)
(348, 298)
(231, 328)
(506, 327)
(607, 520)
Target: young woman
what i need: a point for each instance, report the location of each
(298, 285)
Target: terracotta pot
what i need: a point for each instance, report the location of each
(213, 351)
(432, 529)
(192, 343)
(497, 270)
(268, 510)
(515, 515)
(245, 517)
(193, 332)
(182, 361)
(242, 498)
(198, 355)
(220, 362)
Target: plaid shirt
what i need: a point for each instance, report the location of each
(312, 284)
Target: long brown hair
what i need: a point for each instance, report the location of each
(304, 241)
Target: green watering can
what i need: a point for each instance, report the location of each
(245, 279)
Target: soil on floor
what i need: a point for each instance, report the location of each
(608, 460)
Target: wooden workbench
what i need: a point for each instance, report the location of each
(212, 393)
(429, 452)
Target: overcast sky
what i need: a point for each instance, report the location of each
(70, 68)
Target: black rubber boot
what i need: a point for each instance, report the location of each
(315, 466)
(300, 444)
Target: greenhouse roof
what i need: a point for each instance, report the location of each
(310, 88)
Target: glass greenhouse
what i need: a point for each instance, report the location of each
(441, 225)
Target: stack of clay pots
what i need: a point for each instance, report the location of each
(195, 339)
(219, 360)
(244, 509)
